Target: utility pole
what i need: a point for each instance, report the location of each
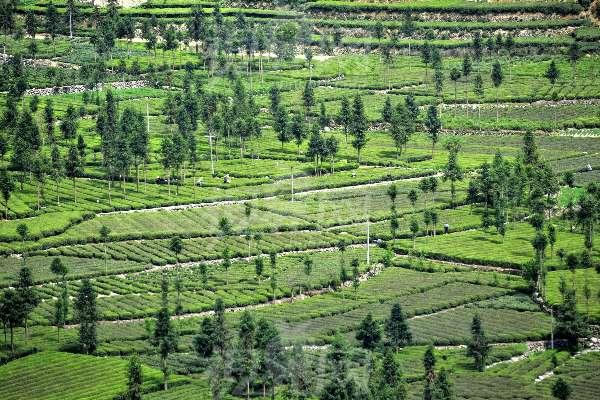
(292, 169)
(212, 164)
(552, 333)
(368, 242)
(368, 230)
(148, 135)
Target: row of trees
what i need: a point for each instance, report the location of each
(36, 153)
(18, 302)
(124, 141)
(528, 188)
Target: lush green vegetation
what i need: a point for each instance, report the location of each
(295, 200)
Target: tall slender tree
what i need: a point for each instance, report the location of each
(7, 186)
(397, 329)
(73, 168)
(434, 126)
(135, 379)
(87, 316)
(358, 125)
(30, 298)
(478, 347)
(165, 336)
(453, 171)
(497, 77)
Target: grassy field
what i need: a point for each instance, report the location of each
(70, 377)
(477, 246)
(344, 244)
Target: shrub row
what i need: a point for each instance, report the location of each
(48, 232)
(468, 260)
(457, 26)
(562, 8)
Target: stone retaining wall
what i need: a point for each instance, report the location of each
(82, 88)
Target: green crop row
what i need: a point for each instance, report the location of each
(453, 6)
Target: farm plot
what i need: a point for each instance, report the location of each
(581, 372)
(69, 376)
(201, 221)
(457, 219)
(585, 282)
(201, 249)
(476, 246)
(501, 325)
(78, 267)
(138, 295)
(356, 205)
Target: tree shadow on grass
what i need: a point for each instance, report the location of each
(495, 239)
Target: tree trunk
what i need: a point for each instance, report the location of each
(467, 94)
(497, 109)
(163, 364)
(109, 196)
(105, 260)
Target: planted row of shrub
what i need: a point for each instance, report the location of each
(472, 8)
(454, 26)
(464, 260)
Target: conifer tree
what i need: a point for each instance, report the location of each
(165, 336)
(358, 125)
(368, 332)
(87, 316)
(478, 347)
(135, 379)
(433, 125)
(397, 329)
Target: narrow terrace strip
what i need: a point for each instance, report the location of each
(299, 193)
(377, 268)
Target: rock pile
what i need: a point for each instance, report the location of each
(82, 88)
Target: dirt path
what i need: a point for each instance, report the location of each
(550, 373)
(530, 344)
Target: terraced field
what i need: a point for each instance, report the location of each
(291, 200)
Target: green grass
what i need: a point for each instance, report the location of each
(478, 246)
(577, 280)
(53, 375)
(78, 267)
(440, 298)
(581, 373)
